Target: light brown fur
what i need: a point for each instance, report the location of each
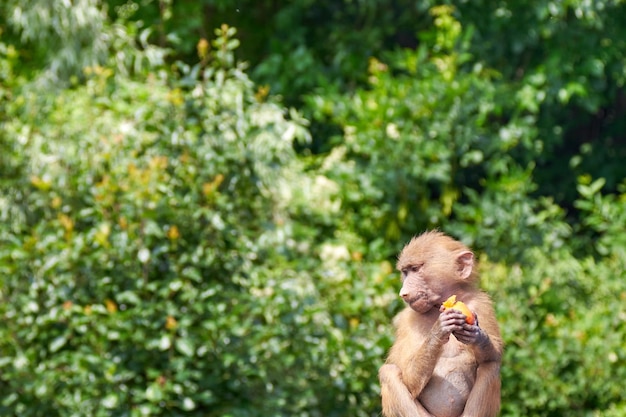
(439, 365)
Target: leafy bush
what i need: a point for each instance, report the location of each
(563, 323)
(422, 147)
(149, 264)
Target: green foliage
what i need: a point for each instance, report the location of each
(603, 215)
(60, 36)
(418, 141)
(294, 47)
(563, 322)
(175, 241)
(148, 265)
(565, 61)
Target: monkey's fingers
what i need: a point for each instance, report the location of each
(452, 314)
(455, 323)
(461, 338)
(466, 337)
(469, 334)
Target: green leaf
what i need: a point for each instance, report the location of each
(57, 343)
(154, 393)
(184, 346)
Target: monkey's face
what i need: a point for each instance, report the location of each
(418, 291)
(432, 266)
(430, 271)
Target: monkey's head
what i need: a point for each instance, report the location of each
(434, 266)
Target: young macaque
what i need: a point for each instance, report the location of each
(440, 365)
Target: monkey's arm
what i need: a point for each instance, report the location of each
(420, 366)
(484, 400)
(397, 401)
(482, 338)
(417, 364)
(483, 348)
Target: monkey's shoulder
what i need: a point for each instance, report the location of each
(477, 298)
(481, 304)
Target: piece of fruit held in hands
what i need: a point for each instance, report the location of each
(452, 303)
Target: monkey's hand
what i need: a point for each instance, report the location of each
(450, 322)
(470, 334)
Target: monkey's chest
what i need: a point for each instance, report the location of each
(452, 380)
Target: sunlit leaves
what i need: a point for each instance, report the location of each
(153, 208)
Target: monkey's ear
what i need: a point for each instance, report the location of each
(465, 264)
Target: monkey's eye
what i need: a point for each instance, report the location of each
(411, 268)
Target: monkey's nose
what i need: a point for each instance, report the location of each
(404, 293)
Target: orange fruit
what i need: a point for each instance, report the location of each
(452, 303)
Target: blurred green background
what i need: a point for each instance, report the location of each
(201, 201)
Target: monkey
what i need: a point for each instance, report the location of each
(439, 365)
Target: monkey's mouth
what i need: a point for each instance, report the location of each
(421, 304)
